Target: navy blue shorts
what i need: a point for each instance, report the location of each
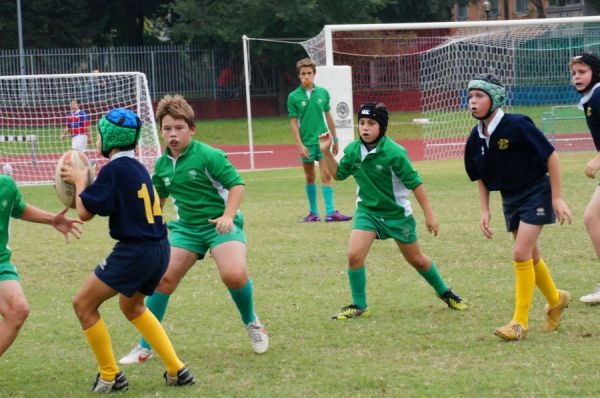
(532, 206)
(135, 267)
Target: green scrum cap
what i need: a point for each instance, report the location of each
(119, 128)
(491, 85)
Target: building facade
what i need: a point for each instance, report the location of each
(521, 9)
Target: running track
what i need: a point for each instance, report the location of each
(272, 156)
(283, 156)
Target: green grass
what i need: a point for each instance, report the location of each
(412, 346)
(276, 130)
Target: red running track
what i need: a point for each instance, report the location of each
(282, 156)
(273, 156)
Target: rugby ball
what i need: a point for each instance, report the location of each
(65, 190)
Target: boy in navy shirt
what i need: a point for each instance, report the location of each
(124, 192)
(585, 75)
(507, 153)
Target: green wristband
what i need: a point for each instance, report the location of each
(336, 140)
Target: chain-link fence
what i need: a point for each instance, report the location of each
(194, 71)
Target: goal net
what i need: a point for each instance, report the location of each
(421, 71)
(35, 110)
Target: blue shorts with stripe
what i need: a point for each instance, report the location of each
(532, 205)
(135, 266)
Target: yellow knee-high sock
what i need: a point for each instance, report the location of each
(525, 284)
(99, 340)
(544, 282)
(153, 332)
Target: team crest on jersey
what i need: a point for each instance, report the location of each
(379, 167)
(192, 173)
(303, 103)
(4, 204)
(589, 111)
(540, 212)
(167, 181)
(502, 144)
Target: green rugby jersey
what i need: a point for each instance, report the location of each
(11, 205)
(309, 112)
(384, 177)
(198, 181)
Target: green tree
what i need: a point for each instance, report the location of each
(79, 23)
(46, 23)
(124, 22)
(220, 22)
(417, 11)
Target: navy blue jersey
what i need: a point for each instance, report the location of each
(124, 192)
(592, 116)
(517, 155)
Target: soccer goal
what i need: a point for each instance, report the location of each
(35, 110)
(420, 71)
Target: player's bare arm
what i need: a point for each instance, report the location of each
(331, 125)
(430, 221)
(592, 166)
(224, 224)
(325, 141)
(296, 133)
(77, 177)
(562, 211)
(484, 202)
(59, 221)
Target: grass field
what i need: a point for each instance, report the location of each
(412, 346)
(276, 130)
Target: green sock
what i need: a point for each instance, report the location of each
(311, 193)
(157, 303)
(358, 285)
(434, 278)
(327, 193)
(244, 302)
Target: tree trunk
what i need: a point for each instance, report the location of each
(539, 6)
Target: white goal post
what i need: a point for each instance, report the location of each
(421, 70)
(34, 111)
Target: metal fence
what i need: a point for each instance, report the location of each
(194, 71)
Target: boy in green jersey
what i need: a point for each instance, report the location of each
(13, 304)
(206, 191)
(385, 178)
(306, 106)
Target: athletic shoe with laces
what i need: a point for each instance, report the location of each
(553, 314)
(512, 331)
(453, 300)
(258, 336)
(183, 378)
(102, 386)
(593, 298)
(312, 217)
(138, 354)
(350, 312)
(337, 216)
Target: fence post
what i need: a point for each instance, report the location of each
(214, 83)
(153, 74)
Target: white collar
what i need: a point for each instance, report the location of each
(586, 96)
(123, 154)
(493, 124)
(364, 151)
